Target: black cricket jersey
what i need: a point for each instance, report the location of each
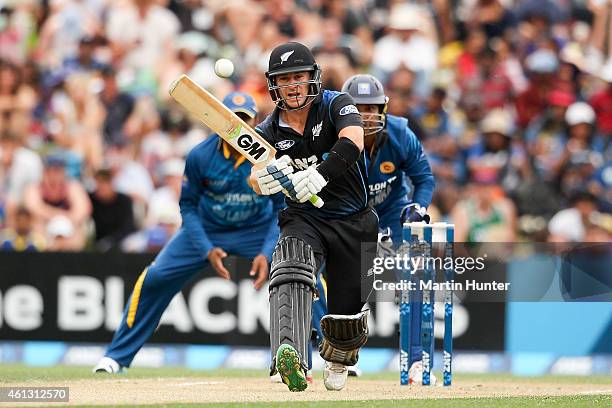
(329, 113)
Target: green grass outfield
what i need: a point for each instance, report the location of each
(10, 373)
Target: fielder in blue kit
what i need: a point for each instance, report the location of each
(221, 214)
(393, 153)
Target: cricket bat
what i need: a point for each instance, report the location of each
(210, 111)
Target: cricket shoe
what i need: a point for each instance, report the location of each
(354, 371)
(334, 376)
(276, 378)
(289, 367)
(108, 365)
(415, 374)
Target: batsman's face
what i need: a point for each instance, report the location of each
(294, 88)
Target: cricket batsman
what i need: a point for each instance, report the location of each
(221, 215)
(393, 153)
(318, 135)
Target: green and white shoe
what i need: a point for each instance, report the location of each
(290, 369)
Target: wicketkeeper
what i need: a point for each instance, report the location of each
(393, 154)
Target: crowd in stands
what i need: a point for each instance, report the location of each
(512, 100)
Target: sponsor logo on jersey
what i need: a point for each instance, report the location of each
(316, 129)
(284, 57)
(348, 109)
(284, 144)
(304, 163)
(387, 167)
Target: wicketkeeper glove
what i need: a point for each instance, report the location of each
(307, 183)
(414, 213)
(274, 176)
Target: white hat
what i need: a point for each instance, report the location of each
(173, 167)
(579, 112)
(497, 121)
(542, 61)
(406, 17)
(60, 226)
(168, 212)
(606, 71)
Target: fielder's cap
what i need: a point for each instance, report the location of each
(241, 102)
(543, 61)
(290, 57)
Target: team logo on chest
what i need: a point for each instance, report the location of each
(316, 129)
(387, 167)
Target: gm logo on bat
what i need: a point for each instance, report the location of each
(245, 143)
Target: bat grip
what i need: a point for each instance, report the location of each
(316, 201)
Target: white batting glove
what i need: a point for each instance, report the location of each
(307, 183)
(272, 178)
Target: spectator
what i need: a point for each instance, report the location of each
(56, 195)
(489, 81)
(17, 100)
(19, 167)
(495, 159)
(67, 23)
(352, 22)
(153, 238)
(62, 235)
(485, 214)
(112, 213)
(142, 34)
(492, 18)
(170, 190)
(542, 66)
(76, 126)
(572, 224)
(546, 134)
(602, 101)
(119, 106)
(131, 177)
(581, 145)
(85, 59)
(407, 44)
(22, 237)
(334, 55)
(434, 118)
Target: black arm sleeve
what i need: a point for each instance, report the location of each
(341, 157)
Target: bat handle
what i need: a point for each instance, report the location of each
(317, 201)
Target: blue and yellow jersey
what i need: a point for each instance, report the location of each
(398, 155)
(216, 197)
